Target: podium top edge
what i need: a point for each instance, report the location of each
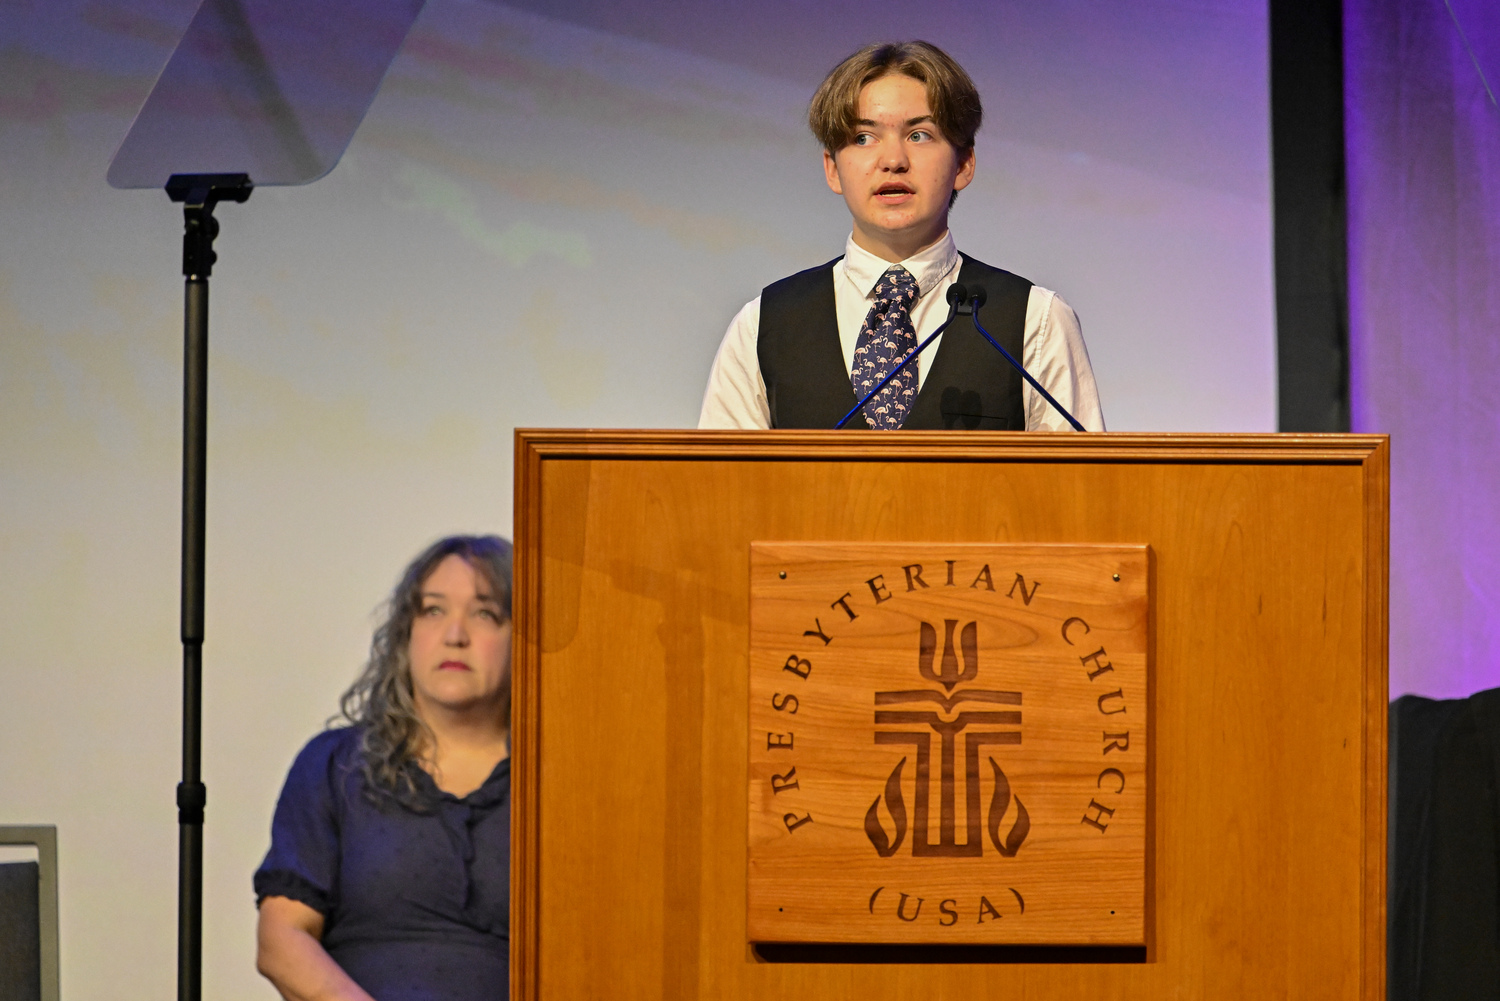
(951, 446)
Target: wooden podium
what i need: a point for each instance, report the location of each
(1264, 828)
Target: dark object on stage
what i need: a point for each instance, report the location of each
(28, 917)
(265, 89)
(1310, 212)
(1445, 848)
(20, 932)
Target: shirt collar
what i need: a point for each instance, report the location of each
(929, 266)
(496, 788)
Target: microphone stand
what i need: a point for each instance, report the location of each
(973, 310)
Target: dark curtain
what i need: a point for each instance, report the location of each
(1445, 879)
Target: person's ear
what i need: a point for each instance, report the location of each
(831, 173)
(965, 170)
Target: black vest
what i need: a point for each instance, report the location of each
(969, 385)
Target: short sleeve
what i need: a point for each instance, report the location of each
(303, 862)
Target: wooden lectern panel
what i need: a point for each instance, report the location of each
(948, 743)
(1266, 813)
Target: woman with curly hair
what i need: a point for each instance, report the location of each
(389, 870)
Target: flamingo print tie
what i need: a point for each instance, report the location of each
(887, 337)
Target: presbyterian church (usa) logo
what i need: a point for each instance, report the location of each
(969, 716)
(947, 743)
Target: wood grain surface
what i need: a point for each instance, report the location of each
(948, 743)
(1266, 818)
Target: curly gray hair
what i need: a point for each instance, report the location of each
(380, 701)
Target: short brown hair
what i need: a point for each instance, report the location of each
(952, 96)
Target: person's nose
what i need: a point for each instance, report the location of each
(894, 159)
(455, 632)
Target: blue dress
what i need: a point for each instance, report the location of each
(416, 903)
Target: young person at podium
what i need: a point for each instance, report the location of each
(389, 870)
(897, 125)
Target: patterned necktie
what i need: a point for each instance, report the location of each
(887, 337)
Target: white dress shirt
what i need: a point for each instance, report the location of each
(1053, 346)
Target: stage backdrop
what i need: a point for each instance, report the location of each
(1424, 308)
(549, 218)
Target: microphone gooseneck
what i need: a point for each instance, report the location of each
(978, 300)
(957, 295)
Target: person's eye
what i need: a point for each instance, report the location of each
(491, 614)
(921, 136)
(863, 139)
(428, 611)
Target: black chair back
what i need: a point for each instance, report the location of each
(20, 931)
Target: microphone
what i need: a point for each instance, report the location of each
(977, 300)
(957, 296)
